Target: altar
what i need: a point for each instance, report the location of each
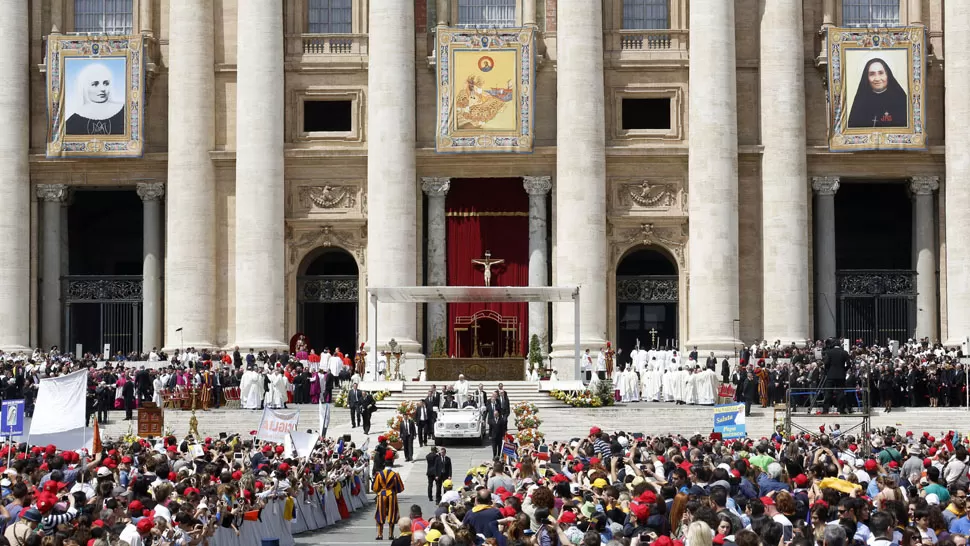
(475, 369)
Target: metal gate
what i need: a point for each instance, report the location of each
(876, 305)
(646, 309)
(327, 309)
(101, 310)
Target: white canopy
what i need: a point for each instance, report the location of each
(469, 294)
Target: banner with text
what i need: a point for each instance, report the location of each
(729, 421)
(277, 424)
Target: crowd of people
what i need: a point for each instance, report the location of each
(620, 489)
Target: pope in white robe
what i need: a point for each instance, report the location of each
(708, 384)
(276, 394)
(251, 389)
(461, 390)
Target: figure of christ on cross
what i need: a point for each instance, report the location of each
(487, 262)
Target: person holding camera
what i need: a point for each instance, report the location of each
(835, 361)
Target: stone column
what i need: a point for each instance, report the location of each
(924, 249)
(528, 13)
(825, 301)
(784, 217)
(956, 73)
(538, 189)
(580, 197)
(713, 304)
(437, 189)
(828, 13)
(190, 226)
(52, 196)
(391, 174)
(443, 12)
(260, 206)
(916, 12)
(144, 16)
(14, 177)
(151, 271)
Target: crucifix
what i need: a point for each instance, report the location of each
(653, 338)
(487, 262)
(474, 327)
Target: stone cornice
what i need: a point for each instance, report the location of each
(924, 185)
(435, 186)
(825, 185)
(54, 193)
(537, 185)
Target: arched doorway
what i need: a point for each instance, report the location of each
(326, 297)
(647, 294)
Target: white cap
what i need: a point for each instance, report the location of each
(932, 498)
(103, 472)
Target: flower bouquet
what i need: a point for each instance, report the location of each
(524, 408)
(529, 436)
(407, 408)
(527, 421)
(341, 400)
(380, 395)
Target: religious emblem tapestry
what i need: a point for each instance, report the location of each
(876, 88)
(95, 96)
(485, 90)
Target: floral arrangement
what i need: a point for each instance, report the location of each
(392, 436)
(585, 399)
(524, 408)
(341, 400)
(528, 421)
(407, 408)
(529, 436)
(380, 395)
(393, 433)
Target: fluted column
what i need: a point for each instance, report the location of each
(190, 226)
(52, 196)
(437, 189)
(538, 189)
(151, 272)
(260, 207)
(391, 178)
(825, 301)
(713, 304)
(14, 177)
(956, 75)
(924, 249)
(580, 197)
(784, 197)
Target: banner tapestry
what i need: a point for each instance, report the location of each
(95, 96)
(485, 90)
(876, 89)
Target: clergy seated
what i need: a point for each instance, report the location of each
(469, 404)
(450, 403)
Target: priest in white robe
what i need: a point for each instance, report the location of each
(690, 387)
(251, 389)
(157, 387)
(461, 390)
(667, 384)
(276, 394)
(708, 384)
(653, 381)
(630, 385)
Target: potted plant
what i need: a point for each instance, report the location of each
(438, 347)
(535, 355)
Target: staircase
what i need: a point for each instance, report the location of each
(519, 391)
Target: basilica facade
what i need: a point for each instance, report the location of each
(678, 167)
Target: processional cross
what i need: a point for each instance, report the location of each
(487, 262)
(653, 338)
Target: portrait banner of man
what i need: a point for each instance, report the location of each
(876, 89)
(485, 90)
(95, 96)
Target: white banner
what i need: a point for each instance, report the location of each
(276, 424)
(300, 442)
(60, 404)
(324, 411)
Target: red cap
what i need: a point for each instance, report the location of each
(567, 518)
(871, 465)
(801, 480)
(145, 525)
(909, 433)
(135, 507)
(126, 459)
(258, 484)
(595, 430)
(735, 473)
(932, 451)
(853, 447)
(381, 439)
(172, 476)
(172, 449)
(284, 467)
(768, 501)
(236, 476)
(927, 463)
(594, 460)
(931, 439)
(45, 501)
(893, 464)
(279, 449)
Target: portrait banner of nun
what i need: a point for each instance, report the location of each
(875, 89)
(95, 96)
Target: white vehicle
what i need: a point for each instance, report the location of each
(465, 423)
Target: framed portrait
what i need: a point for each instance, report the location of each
(485, 90)
(95, 96)
(875, 89)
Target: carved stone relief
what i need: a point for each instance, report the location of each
(671, 237)
(644, 194)
(328, 197)
(352, 239)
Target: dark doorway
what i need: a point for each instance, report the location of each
(647, 297)
(875, 281)
(102, 289)
(327, 294)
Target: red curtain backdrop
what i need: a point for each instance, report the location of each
(470, 235)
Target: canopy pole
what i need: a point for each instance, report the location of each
(576, 333)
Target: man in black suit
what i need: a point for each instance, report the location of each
(128, 395)
(450, 403)
(835, 362)
(367, 407)
(491, 407)
(144, 382)
(503, 398)
(497, 433)
(408, 431)
(432, 402)
(432, 472)
(442, 470)
(236, 358)
(425, 419)
(748, 392)
(354, 399)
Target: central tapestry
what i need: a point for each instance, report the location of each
(487, 215)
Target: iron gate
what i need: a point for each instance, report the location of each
(101, 310)
(646, 309)
(876, 305)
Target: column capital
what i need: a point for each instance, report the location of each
(151, 191)
(537, 185)
(825, 185)
(435, 186)
(924, 185)
(53, 192)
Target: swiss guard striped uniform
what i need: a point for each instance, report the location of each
(387, 485)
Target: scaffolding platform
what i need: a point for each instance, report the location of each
(811, 399)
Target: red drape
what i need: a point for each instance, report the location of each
(470, 234)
